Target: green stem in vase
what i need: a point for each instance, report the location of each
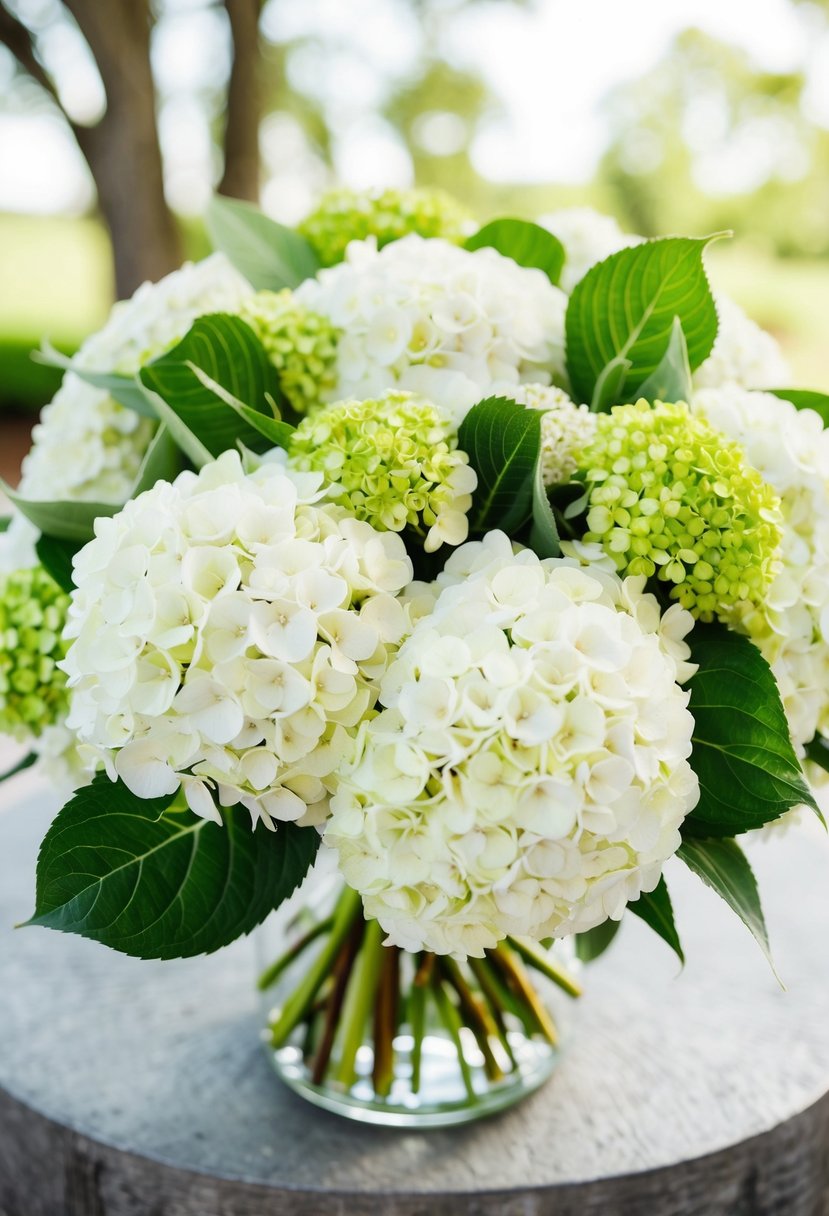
(475, 1016)
(333, 1007)
(269, 977)
(499, 1001)
(539, 958)
(385, 1021)
(513, 971)
(359, 997)
(417, 1022)
(454, 1024)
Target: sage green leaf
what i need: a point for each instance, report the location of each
(228, 352)
(655, 909)
(502, 440)
(124, 389)
(624, 308)
(69, 520)
(544, 538)
(268, 254)
(723, 866)
(671, 381)
(805, 399)
(526, 243)
(591, 944)
(153, 880)
(55, 555)
(742, 753)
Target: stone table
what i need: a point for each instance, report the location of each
(140, 1089)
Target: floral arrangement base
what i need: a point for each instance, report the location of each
(385, 1036)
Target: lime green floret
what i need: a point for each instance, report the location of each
(350, 215)
(301, 344)
(394, 462)
(32, 688)
(669, 496)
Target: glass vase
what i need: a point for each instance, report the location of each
(384, 1036)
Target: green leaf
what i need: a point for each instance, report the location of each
(671, 381)
(723, 866)
(742, 753)
(55, 556)
(818, 752)
(126, 390)
(27, 762)
(5, 523)
(277, 432)
(608, 390)
(503, 441)
(155, 881)
(591, 944)
(655, 909)
(544, 539)
(624, 308)
(268, 254)
(228, 352)
(526, 243)
(805, 399)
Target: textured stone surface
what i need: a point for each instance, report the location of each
(130, 1088)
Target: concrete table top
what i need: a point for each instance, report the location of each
(140, 1089)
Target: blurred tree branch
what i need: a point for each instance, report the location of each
(240, 178)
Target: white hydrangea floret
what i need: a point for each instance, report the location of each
(566, 428)
(88, 447)
(438, 320)
(743, 354)
(228, 629)
(529, 771)
(588, 237)
(790, 449)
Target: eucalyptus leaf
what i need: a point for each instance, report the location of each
(624, 308)
(503, 442)
(742, 752)
(805, 399)
(268, 254)
(544, 538)
(153, 880)
(526, 243)
(655, 909)
(671, 381)
(723, 866)
(229, 354)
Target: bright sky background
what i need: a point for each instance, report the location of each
(552, 67)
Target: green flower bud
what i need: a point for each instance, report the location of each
(350, 215)
(301, 344)
(671, 497)
(32, 687)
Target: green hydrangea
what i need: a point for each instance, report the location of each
(350, 215)
(301, 344)
(392, 461)
(670, 496)
(32, 687)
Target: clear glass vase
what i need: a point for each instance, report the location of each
(383, 1036)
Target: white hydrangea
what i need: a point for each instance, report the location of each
(87, 446)
(566, 428)
(588, 237)
(227, 630)
(743, 354)
(438, 320)
(529, 772)
(790, 448)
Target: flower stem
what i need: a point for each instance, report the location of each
(385, 1021)
(490, 990)
(272, 973)
(342, 971)
(476, 1017)
(359, 996)
(516, 976)
(453, 1022)
(541, 961)
(417, 1022)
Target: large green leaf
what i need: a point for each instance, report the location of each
(228, 352)
(56, 556)
(817, 750)
(502, 440)
(805, 399)
(126, 390)
(723, 866)
(671, 381)
(592, 944)
(544, 538)
(743, 755)
(624, 309)
(154, 881)
(655, 909)
(268, 254)
(526, 243)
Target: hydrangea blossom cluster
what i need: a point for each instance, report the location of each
(87, 446)
(566, 428)
(394, 462)
(32, 687)
(342, 216)
(588, 237)
(435, 319)
(301, 344)
(227, 630)
(790, 449)
(668, 495)
(529, 772)
(743, 354)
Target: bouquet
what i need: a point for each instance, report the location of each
(487, 562)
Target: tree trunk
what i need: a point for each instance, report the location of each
(123, 151)
(241, 142)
